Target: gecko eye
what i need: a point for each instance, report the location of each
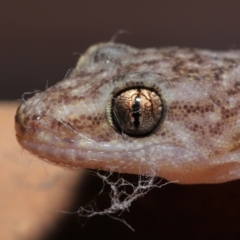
(136, 112)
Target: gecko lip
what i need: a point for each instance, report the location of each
(81, 158)
(61, 156)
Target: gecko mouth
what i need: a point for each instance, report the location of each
(81, 158)
(68, 152)
(59, 156)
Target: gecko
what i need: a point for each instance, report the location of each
(168, 112)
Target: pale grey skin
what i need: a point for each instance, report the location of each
(198, 140)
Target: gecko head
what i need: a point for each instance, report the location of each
(130, 111)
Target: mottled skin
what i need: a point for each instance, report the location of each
(198, 140)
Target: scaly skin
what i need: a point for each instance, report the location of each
(198, 140)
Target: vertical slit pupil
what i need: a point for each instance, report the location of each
(136, 111)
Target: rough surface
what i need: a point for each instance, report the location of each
(197, 142)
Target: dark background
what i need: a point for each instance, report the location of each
(38, 40)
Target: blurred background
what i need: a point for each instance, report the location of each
(41, 40)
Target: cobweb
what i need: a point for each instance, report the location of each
(122, 193)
